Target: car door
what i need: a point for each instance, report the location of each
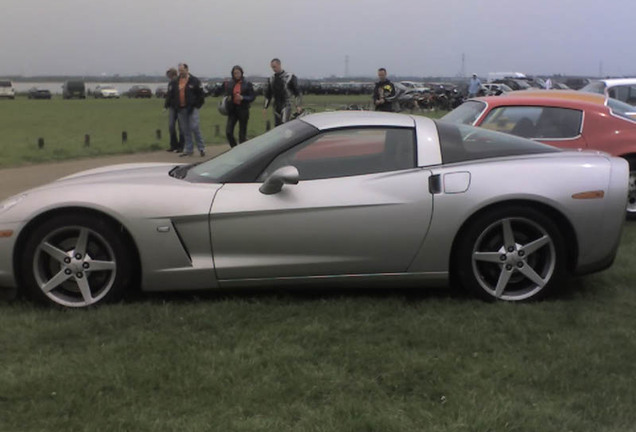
(361, 207)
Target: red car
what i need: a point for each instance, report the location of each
(561, 122)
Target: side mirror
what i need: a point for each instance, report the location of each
(283, 175)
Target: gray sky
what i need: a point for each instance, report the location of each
(313, 37)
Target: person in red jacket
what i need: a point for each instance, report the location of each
(240, 94)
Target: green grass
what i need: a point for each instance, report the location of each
(63, 125)
(389, 360)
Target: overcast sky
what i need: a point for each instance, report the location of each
(314, 37)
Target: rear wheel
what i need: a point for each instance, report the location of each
(631, 194)
(76, 261)
(513, 254)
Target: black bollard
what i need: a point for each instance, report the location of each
(87, 140)
(268, 125)
(40, 143)
(124, 137)
(158, 133)
(217, 130)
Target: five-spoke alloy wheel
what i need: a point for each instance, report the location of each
(76, 261)
(511, 254)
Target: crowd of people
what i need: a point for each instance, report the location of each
(185, 97)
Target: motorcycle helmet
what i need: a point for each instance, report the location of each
(222, 106)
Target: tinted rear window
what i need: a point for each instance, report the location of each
(461, 143)
(5, 83)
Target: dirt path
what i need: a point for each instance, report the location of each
(14, 180)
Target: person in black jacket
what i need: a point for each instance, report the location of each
(176, 141)
(283, 88)
(187, 95)
(240, 94)
(383, 93)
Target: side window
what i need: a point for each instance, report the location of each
(535, 122)
(516, 120)
(620, 92)
(559, 123)
(631, 96)
(348, 152)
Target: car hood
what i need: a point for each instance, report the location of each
(122, 173)
(117, 190)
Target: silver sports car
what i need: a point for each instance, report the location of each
(338, 197)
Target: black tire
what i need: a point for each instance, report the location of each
(511, 253)
(60, 257)
(631, 193)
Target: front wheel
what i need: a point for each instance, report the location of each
(76, 261)
(511, 254)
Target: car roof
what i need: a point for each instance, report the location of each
(561, 94)
(532, 99)
(338, 119)
(610, 82)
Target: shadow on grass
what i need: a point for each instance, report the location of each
(304, 295)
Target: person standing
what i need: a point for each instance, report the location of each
(548, 83)
(240, 95)
(474, 85)
(383, 92)
(176, 141)
(187, 96)
(283, 88)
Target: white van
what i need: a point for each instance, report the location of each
(6, 89)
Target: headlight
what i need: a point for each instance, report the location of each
(10, 202)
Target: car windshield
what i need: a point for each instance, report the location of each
(5, 83)
(595, 87)
(460, 143)
(221, 166)
(523, 85)
(467, 113)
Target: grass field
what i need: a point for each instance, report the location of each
(64, 124)
(390, 360)
(355, 360)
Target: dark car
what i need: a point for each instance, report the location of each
(161, 91)
(38, 93)
(139, 91)
(74, 89)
